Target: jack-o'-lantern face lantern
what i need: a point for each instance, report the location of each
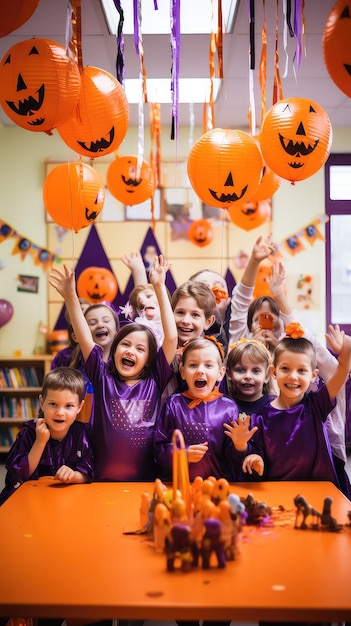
(336, 45)
(250, 215)
(100, 121)
(39, 84)
(74, 195)
(225, 167)
(126, 183)
(200, 233)
(16, 13)
(296, 138)
(97, 284)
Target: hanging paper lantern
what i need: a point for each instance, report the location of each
(336, 45)
(296, 138)
(97, 284)
(100, 121)
(74, 195)
(123, 183)
(200, 233)
(225, 167)
(57, 340)
(39, 84)
(269, 182)
(251, 215)
(16, 13)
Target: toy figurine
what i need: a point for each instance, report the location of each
(161, 526)
(305, 510)
(327, 519)
(221, 490)
(211, 542)
(257, 512)
(229, 530)
(179, 545)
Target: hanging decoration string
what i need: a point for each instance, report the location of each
(263, 66)
(138, 43)
(252, 107)
(74, 32)
(298, 28)
(191, 124)
(155, 153)
(120, 65)
(175, 52)
(219, 40)
(277, 84)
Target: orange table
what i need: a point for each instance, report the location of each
(63, 553)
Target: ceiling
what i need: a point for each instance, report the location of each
(231, 108)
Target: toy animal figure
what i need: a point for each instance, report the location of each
(221, 490)
(229, 530)
(211, 543)
(305, 510)
(257, 512)
(327, 519)
(161, 526)
(179, 544)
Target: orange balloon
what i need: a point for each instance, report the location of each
(296, 137)
(100, 121)
(262, 282)
(122, 181)
(225, 167)
(336, 45)
(39, 84)
(251, 215)
(269, 182)
(16, 13)
(200, 233)
(97, 284)
(74, 195)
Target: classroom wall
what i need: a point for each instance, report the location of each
(22, 172)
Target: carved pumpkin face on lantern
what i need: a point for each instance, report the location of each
(200, 233)
(296, 138)
(97, 284)
(100, 121)
(336, 45)
(124, 184)
(224, 167)
(250, 215)
(39, 84)
(74, 195)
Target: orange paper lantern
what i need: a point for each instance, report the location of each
(296, 138)
(39, 84)
(200, 233)
(97, 284)
(16, 13)
(100, 121)
(336, 45)
(251, 215)
(123, 183)
(225, 167)
(74, 195)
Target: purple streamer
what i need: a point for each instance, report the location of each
(252, 33)
(120, 66)
(175, 49)
(298, 32)
(155, 5)
(136, 25)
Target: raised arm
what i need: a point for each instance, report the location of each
(340, 343)
(136, 265)
(262, 249)
(64, 283)
(157, 279)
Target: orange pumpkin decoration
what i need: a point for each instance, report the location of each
(225, 167)
(262, 282)
(74, 195)
(57, 340)
(251, 215)
(296, 138)
(97, 284)
(100, 121)
(39, 84)
(336, 45)
(16, 13)
(123, 183)
(200, 233)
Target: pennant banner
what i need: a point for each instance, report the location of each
(24, 246)
(295, 242)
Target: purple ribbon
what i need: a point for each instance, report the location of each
(175, 48)
(120, 66)
(298, 32)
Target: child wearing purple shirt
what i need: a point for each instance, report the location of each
(54, 444)
(127, 389)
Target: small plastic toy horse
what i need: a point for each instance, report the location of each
(305, 510)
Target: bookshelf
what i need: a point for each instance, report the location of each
(20, 385)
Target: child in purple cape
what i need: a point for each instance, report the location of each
(53, 444)
(127, 390)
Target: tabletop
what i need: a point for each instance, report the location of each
(64, 554)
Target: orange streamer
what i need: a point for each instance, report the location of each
(277, 83)
(75, 44)
(263, 65)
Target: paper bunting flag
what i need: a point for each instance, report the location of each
(311, 233)
(5, 231)
(23, 245)
(293, 245)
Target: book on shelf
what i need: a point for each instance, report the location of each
(17, 377)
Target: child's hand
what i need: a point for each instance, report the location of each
(196, 452)
(42, 433)
(63, 281)
(65, 474)
(277, 279)
(159, 271)
(253, 462)
(133, 260)
(239, 432)
(335, 338)
(263, 248)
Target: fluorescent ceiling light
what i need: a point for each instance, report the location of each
(159, 90)
(196, 16)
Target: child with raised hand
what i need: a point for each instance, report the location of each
(291, 435)
(53, 444)
(199, 413)
(258, 318)
(216, 282)
(127, 390)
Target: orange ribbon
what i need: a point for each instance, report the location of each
(213, 395)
